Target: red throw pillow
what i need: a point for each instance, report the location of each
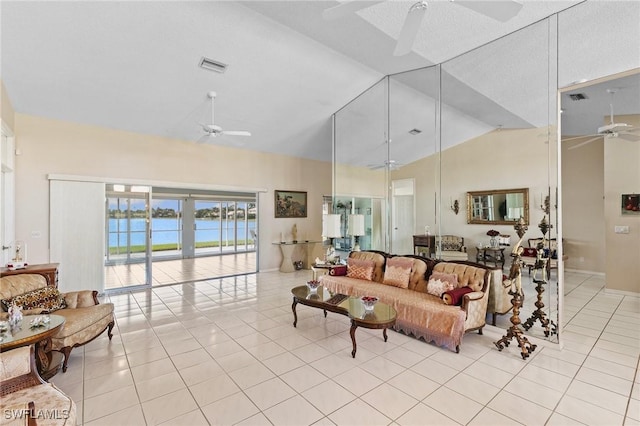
(454, 297)
(529, 251)
(338, 270)
(360, 268)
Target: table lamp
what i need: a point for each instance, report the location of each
(331, 230)
(356, 228)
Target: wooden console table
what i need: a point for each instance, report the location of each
(47, 270)
(287, 249)
(427, 241)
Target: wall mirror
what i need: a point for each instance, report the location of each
(499, 207)
(446, 130)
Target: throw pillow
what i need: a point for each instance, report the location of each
(437, 287)
(48, 298)
(529, 251)
(455, 296)
(440, 282)
(360, 268)
(338, 270)
(398, 272)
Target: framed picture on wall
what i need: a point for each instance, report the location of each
(631, 204)
(290, 204)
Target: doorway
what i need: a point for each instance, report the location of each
(402, 215)
(193, 235)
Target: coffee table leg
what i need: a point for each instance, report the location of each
(353, 338)
(295, 315)
(384, 334)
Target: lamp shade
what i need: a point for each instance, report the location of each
(331, 226)
(356, 224)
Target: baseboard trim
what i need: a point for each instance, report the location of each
(582, 271)
(621, 292)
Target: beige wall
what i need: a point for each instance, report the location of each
(6, 112)
(622, 176)
(582, 205)
(484, 163)
(55, 147)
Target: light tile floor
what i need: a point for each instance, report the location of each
(225, 352)
(180, 270)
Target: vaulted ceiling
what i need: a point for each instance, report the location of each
(134, 65)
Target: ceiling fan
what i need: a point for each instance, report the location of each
(388, 164)
(498, 10)
(213, 130)
(611, 130)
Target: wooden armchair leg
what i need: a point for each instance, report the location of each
(66, 351)
(111, 324)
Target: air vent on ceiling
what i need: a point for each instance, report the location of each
(211, 65)
(578, 96)
(415, 131)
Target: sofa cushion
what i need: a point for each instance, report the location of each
(454, 297)
(437, 286)
(398, 272)
(451, 279)
(47, 298)
(378, 258)
(468, 275)
(83, 318)
(13, 285)
(338, 270)
(360, 269)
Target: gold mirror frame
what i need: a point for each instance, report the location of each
(471, 219)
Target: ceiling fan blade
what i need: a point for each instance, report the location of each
(346, 8)
(204, 138)
(581, 137)
(629, 137)
(410, 29)
(236, 133)
(502, 10)
(588, 141)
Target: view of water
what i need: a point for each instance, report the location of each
(167, 231)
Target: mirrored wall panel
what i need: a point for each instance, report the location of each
(464, 149)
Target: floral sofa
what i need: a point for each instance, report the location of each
(85, 317)
(420, 313)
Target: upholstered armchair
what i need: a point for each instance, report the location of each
(450, 247)
(85, 317)
(530, 254)
(26, 398)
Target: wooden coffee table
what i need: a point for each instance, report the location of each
(383, 316)
(47, 360)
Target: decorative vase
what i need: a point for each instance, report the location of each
(493, 242)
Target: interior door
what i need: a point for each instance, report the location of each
(402, 216)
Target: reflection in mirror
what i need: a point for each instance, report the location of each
(413, 126)
(442, 131)
(500, 207)
(498, 131)
(360, 166)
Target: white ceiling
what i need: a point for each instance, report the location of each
(133, 65)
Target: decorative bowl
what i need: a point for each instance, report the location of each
(313, 285)
(369, 302)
